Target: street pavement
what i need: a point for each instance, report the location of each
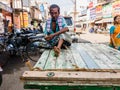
(94, 37)
(14, 66)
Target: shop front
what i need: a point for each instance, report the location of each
(107, 16)
(116, 8)
(36, 16)
(6, 18)
(20, 18)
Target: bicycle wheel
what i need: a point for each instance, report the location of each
(34, 50)
(2, 49)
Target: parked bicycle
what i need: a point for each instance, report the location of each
(18, 44)
(36, 47)
(15, 43)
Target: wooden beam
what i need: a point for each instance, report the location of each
(107, 78)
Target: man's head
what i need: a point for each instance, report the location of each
(54, 11)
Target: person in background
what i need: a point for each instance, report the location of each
(115, 33)
(55, 29)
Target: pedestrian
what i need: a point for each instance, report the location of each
(115, 33)
(91, 30)
(56, 29)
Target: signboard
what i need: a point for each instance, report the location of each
(107, 10)
(25, 3)
(99, 12)
(24, 19)
(90, 5)
(116, 8)
(25, 14)
(84, 12)
(93, 13)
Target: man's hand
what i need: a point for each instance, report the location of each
(49, 37)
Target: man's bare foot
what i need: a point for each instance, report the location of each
(57, 51)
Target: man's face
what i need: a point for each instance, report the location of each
(54, 13)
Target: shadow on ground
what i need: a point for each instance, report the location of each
(75, 40)
(12, 64)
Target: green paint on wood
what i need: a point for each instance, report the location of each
(51, 62)
(43, 59)
(71, 87)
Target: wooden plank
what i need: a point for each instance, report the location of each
(98, 55)
(78, 59)
(113, 54)
(94, 56)
(102, 57)
(42, 60)
(69, 86)
(73, 77)
(51, 62)
(73, 83)
(59, 61)
(86, 57)
(65, 60)
(110, 54)
(111, 58)
(80, 55)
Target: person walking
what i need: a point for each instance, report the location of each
(115, 33)
(55, 29)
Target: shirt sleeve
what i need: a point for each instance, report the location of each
(112, 29)
(64, 24)
(45, 29)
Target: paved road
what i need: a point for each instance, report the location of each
(14, 66)
(13, 69)
(95, 38)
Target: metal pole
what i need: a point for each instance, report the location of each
(22, 12)
(12, 14)
(74, 11)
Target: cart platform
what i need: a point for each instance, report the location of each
(82, 66)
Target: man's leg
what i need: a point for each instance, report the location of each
(58, 47)
(60, 43)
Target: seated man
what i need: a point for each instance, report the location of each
(56, 29)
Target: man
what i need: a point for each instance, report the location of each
(55, 29)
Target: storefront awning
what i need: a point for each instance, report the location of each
(108, 20)
(100, 21)
(105, 20)
(91, 21)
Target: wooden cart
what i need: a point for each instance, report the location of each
(83, 66)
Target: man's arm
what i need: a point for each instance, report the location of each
(63, 30)
(57, 33)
